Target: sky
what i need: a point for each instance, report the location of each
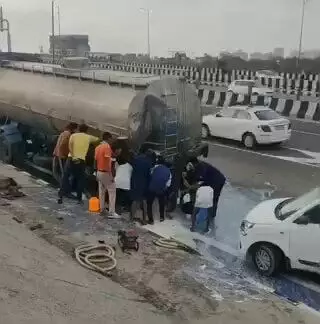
(193, 26)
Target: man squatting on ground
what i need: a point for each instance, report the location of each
(79, 144)
(105, 166)
(210, 176)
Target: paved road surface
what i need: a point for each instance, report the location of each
(287, 172)
(305, 135)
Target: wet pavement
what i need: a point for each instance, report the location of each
(224, 272)
(219, 269)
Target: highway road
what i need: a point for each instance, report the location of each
(305, 135)
(291, 169)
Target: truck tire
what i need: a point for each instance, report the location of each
(6, 152)
(205, 131)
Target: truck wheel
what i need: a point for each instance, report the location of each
(6, 152)
(205, 132)
(267, 259)
(171, 203)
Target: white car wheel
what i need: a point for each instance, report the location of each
(249, 140)
(205, 132)
(267, 259)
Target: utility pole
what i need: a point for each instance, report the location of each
(148, 11)
(59, 21)
(52, 33)
(5, 28)
(301, 32)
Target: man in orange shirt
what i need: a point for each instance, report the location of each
(106, 173)
(61, 151)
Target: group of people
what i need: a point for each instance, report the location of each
(133, 182)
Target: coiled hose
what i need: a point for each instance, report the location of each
(90, 256)
(173, 244)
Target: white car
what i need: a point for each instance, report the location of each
(284, 234)
(242, 87)
(249, 125)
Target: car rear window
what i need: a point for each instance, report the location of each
(267, 115)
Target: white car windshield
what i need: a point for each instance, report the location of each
(290, 206)
(267, 114)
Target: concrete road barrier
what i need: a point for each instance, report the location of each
(212, 101)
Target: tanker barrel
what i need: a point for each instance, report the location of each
(46, 102)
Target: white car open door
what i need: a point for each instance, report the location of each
(305, 241)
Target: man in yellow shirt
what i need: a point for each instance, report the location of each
(79, 144)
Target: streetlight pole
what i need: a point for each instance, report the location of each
(301, 32)
(7, 29)
(59, 20)
(52, 32)
(148, 11)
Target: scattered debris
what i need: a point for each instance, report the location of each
(35, 227)
(9, 189)
(17, 219)
(203, 267)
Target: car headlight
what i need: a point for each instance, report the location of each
(245, 226)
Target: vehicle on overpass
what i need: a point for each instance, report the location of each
(38, 100)
(268, 74)
(283, 234)
(248, 125)
(242, 87)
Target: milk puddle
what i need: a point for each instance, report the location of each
(221, 268)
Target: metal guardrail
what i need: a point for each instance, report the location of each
(83, 74)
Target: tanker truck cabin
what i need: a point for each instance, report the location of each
(35, 108)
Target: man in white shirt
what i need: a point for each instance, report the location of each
(202, 208)
(122, 180)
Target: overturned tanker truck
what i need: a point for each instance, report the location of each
(38, 100)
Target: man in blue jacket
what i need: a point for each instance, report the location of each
(140, 180)
(212, 177)
(160, 181)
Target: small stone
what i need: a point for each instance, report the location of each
(18, 220)
(35, 227)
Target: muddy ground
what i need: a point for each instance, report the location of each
(156, 274)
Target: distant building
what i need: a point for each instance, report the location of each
(239, 53)
(261, 56)
(308, 54)
(70, 45)
(278, 52)
(311, 54)
(294, 53)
